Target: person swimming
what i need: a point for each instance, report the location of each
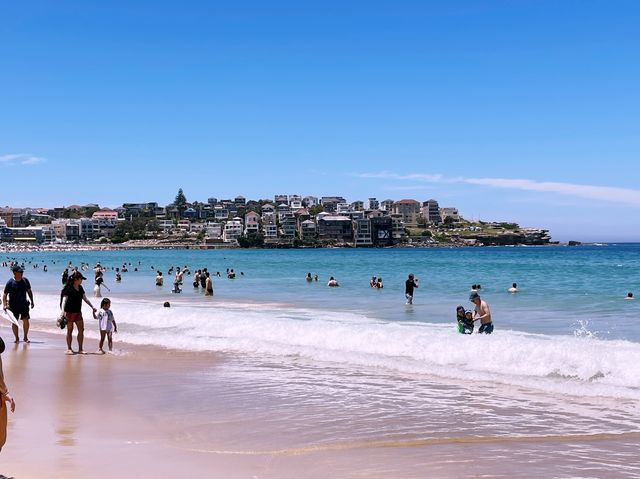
(465, 320)
(332, 282)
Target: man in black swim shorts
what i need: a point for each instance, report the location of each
(17, 289)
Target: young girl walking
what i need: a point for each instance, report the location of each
(107, 324)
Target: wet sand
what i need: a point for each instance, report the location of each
(153, 412)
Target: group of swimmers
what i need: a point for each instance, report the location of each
(201, 278)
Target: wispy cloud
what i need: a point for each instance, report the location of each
(21, 159)
(388, 175)
(613, 194)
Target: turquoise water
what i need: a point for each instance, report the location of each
(568, 330)
(562, 290)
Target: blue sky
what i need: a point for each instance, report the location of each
(509, 110)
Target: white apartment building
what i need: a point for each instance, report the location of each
(397, 231)
(308, 229)
(362, 233)
(449, 213)
(387, 205)
(184, 225)
(284, 212)
(268, 212)
(293, 198)
(166, 225)
(220, 213)
(310, 201)
(214, 230)
(343, 208)
(232, 231)
(270, 232)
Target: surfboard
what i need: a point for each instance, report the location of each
(9, 317)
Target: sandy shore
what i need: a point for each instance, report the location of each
(74, 416)
(153, 412)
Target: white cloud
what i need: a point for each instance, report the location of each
(21, 159)
(604, 193)
(412, 176)
(626, 196)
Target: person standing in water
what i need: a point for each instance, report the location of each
(409, 285)
(177, 281)
(208, 291)
(99, 283)
(483, 314)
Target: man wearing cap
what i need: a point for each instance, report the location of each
(17, 289)
(483, 313)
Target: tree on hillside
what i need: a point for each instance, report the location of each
(180, 202)
(252, 240)
(89, 211)
(254, 206)
(314, 210)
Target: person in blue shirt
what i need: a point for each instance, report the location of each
(16, 290)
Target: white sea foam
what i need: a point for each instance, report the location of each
(559, 364)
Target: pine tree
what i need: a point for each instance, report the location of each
(180, 202)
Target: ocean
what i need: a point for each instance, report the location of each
(340, 368)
